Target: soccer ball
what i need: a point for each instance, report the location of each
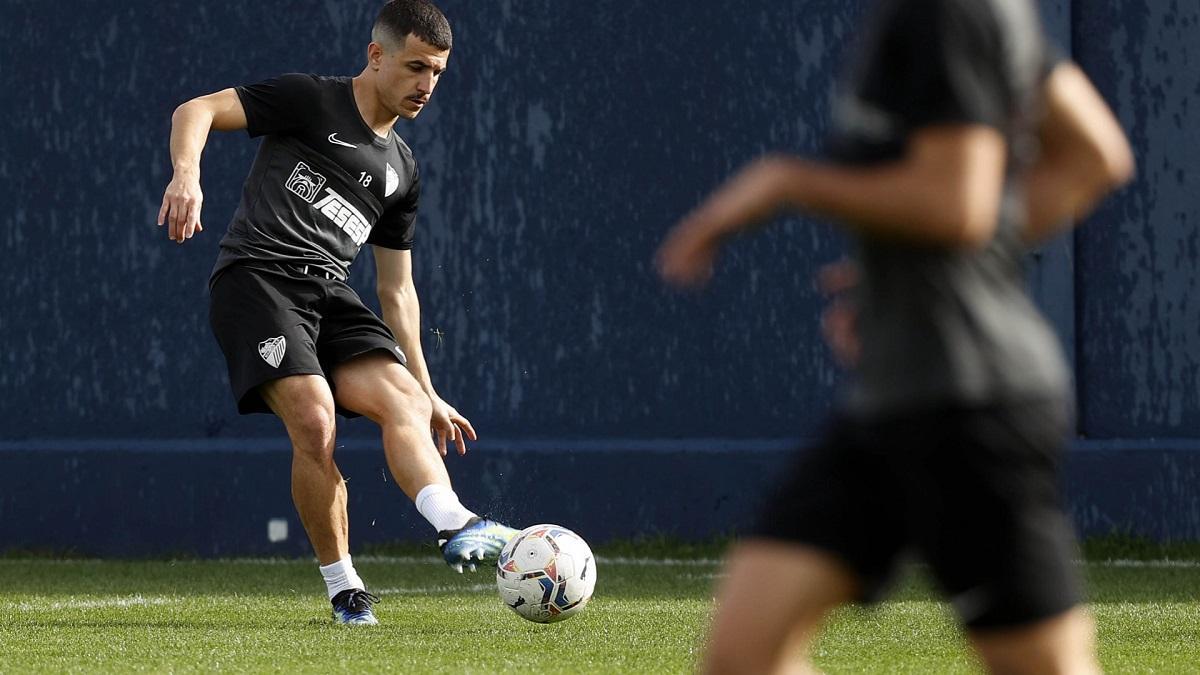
(546, 573)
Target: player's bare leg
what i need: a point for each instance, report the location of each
(771, 605)
(380, 388)
(305, 405)
(1062, 644)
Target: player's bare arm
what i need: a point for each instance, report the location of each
(402, 313)
(190, 126)
(944, 191)
(1084, 156)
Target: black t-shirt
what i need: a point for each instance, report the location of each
(941, 326)
(322, 184)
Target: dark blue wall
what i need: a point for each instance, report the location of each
(1139, 310)
(560, 145)
(217, 498)
(562, 142)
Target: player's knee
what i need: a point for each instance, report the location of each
(408, 404)
(421, 406)
(312, 432)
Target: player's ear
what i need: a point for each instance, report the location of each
(374, 55)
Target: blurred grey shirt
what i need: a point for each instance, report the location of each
(943, 327)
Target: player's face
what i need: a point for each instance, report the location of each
(408, 76)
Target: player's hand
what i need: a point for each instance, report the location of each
(687, 255)
(181, 206)
(448, 423)
(839, 321)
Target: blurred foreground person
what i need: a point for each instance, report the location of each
(960, 141)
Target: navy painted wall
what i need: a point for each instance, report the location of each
(561, 143)
(1139, 310)
(218, 498)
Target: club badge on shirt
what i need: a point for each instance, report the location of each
(392, 181)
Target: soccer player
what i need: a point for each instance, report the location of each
(331, 175)
(959, 142)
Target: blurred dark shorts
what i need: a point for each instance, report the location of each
(973, 492)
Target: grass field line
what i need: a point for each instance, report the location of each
(436, 588)
(131, 601)
(1147, 564)
(369, 559)
(386, 560)
(600, 560)
(92, 603)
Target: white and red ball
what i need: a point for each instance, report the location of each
(546, 573)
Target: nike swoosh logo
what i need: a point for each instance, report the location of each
(333, 139)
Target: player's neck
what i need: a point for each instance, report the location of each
(378, 118)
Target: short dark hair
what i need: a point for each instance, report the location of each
(401, 18)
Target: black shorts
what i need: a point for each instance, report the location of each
(275, 320)
(973, 492)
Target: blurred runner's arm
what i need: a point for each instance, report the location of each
(1084, 155)
(190, 126)
(944, 191)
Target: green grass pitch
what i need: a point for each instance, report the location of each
(648, 616)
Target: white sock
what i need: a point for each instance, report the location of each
(340, 576)
(441, 507)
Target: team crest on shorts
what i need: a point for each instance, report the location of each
(305, 182)
(272, 350)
